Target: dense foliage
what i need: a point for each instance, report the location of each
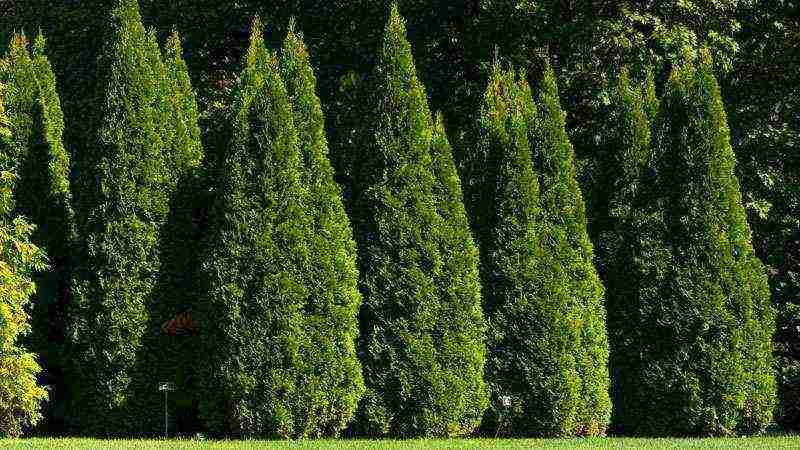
(694, 310)
(150, 249)
(332, 275)
(42, 195)
(547, 344)
(142, 149)
(20, 395)
(421, 324)
(279, 301)
(617, 215)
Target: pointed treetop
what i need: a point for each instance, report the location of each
(258, 56)
(651, 102)
(395, 54)
(39, 44)
(173, 47)
(295, 52)
(128, 11)
(497, 96)
(548, 95)
(635, 136)
(18, 47)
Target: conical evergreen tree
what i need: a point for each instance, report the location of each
(531, 364)
(137, 165)
(332, 279)
(20, 395)
(169, 347)
(264, 359)
(42, 194)
(566, 235)
(703, 323)
(421, 327)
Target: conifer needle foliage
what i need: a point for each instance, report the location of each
(696, 317)
(145, 145)
(20, 395)
(421, 324)
(279, 299)
(41, 192)
(547, 342)
(567, 238)
(332, 276)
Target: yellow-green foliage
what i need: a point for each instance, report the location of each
(20, 395)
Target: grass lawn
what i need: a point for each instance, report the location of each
(611, 443)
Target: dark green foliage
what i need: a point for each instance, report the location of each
(332, 277)
(619, 236)
(762, 98)
(42, 194)
(169, 347)
(144, 147)
(265, 357)
(529, 360)
(421, 325)
(699, 315)
(547, 344)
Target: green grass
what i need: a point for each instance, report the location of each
(611, 443)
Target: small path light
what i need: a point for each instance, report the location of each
(505, 403)
(165, 387)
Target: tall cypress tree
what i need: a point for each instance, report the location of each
(531, 365)
(332, 279)
(169, 346)
(703, 323)
(42, 194)
(136, 167)
(568, 239)
(264, 359)
(421, 327)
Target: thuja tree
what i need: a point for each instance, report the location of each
(42, 192)
(532, 362)
(703, 322)
(332, 278)
(20, 395)
(421, 325)
(566, 238)
(264, 365)
(137, 163)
